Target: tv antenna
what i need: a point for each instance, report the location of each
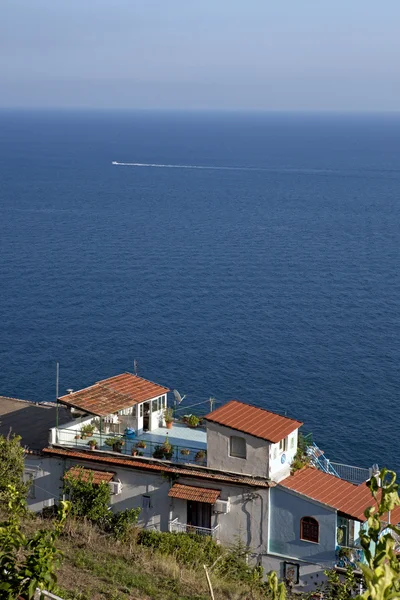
(178, 397)
(135, 367)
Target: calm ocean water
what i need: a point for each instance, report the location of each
(275, 282)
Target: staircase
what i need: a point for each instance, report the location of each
(319, 460)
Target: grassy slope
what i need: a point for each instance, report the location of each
(96, 567)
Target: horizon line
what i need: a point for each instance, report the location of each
(331, 111)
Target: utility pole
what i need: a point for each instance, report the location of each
(57, 384)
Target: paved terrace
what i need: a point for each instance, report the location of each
(186, 442)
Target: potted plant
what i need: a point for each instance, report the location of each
(185, 451)
(193, 421)
(167, 449)
(92, 444)
(346, 554)
(141, 444)
(168, 452)
(158, 452)
(77, 437)
(115, 443)
(168, 418)
(134, 452)
(87, 430)
(200, 456)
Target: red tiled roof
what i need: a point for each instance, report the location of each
(344, 496)
(190, 492)
(85, 475)
(113, 394)
(256, 421)
(144, 465)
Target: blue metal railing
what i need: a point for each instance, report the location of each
(133, 446)
(319, 460)
(350, 473)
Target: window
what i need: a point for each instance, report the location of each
(238, 447)
(154, 405)
(145, 502)
(292, 442)
(275, 454)
(283, 445)
(309, 529)
(141, 410)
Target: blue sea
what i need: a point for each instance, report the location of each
(270, 274)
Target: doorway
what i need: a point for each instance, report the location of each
(146, 416)
(199, 514)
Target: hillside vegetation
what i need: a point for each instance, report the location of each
(99, 567)
(87, 552)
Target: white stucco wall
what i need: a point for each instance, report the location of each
(45, 474)
(280, 460)
(218, 452)
(247, 519)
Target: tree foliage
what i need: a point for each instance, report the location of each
(88, 500)
(11, 467)
(27, 563)
(92, 501)
(382, 571)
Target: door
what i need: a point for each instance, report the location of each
(146, 416)
(199, 514)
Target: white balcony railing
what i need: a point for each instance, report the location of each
(176, 527)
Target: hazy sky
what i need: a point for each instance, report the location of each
(229, 54)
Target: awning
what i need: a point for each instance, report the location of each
(197, 494)
(86, 475)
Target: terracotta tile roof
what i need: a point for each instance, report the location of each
(345, 497)
(85, 475)
(144, 465)
(110, 395)
(256, 421)
(198, 494)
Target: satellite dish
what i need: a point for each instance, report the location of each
(178, 397)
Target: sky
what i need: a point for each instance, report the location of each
(201, 54)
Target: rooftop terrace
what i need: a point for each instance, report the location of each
(180, 444)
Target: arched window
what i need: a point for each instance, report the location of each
(309, 529)
(238, 447)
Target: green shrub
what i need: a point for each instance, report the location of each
(88, 500)
(382, 571)
(27, 563)
(120, 523)
(188, 548)
(193, 421)
(11, 467)
(234, 565)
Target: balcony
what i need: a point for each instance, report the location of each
(176, 527)
(186, 446)
(347, 556)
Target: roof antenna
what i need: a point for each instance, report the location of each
(57, 384)
(135, 366)
(212, 402)
(57, 378)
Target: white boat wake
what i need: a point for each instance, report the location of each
(159, 166)
(207, 168)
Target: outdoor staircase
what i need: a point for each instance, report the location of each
(319, 460)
